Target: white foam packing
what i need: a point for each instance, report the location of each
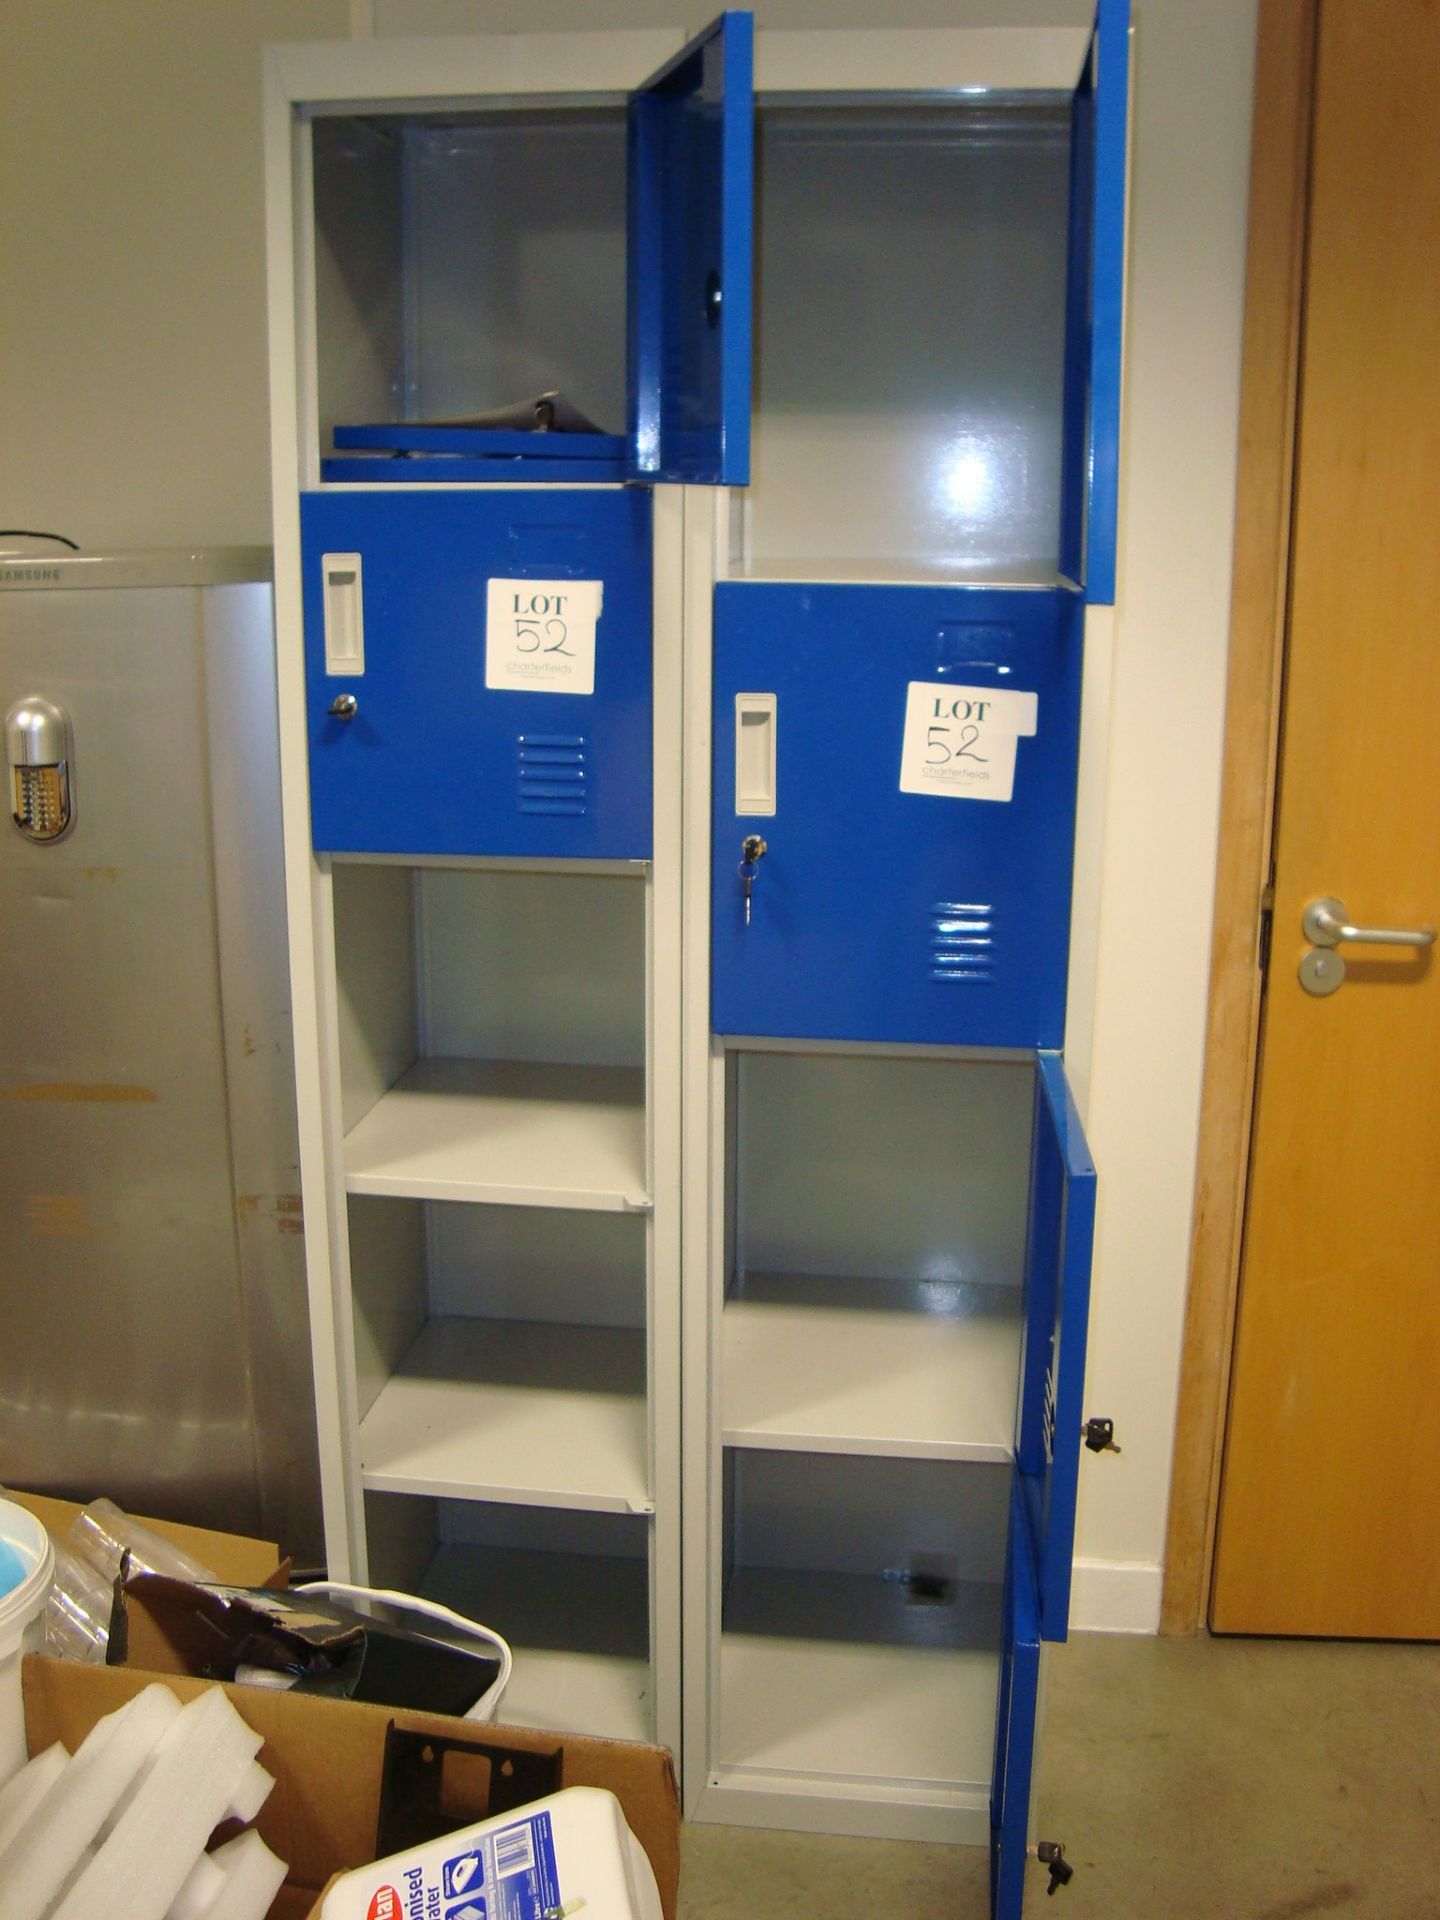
(204, 1757)
(251, 1794)
(20, 1795)
(253, 1877)
(74, 1874)
(202, 1885)
(39, 1860)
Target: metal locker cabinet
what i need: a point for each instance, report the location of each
(888, 1255)
(875, 1142)
(483, 873)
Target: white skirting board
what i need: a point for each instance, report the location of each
(1115, 1596)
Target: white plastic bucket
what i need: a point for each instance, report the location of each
(22, 1625)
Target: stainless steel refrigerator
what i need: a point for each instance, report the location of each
(153, 1327)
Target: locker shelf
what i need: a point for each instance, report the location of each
(514, 1411)
(561, 1692)
(822, 1698)
(578, 1625)
(912, 1369)
(511, 1133)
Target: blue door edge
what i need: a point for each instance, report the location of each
(731, 20)
(1016, 1714)
(1095, 307)
(723, 455)
(1059, 1248)
(1112, 91)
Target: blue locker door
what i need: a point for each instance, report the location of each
(902, 896)
(1060, 1235)
(1015, 1717)
(692, 194)
(458, 743)
(1095, 299)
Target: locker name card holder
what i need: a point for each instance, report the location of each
(960, 741)
(540, 635)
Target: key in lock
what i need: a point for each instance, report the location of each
(752, 851)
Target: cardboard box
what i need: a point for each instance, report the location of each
(326, 1758)
(234, 1559)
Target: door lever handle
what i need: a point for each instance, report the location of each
(1326, 924)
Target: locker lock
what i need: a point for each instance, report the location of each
(752, 851)
(344, 706)
(1099, 1436)
(1051, 1854)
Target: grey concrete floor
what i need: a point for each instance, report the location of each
(1188, 1780)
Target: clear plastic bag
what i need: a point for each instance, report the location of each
(77, 1613)
(103, 1535)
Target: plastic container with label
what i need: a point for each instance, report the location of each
(569, 1853)
(27, 1562)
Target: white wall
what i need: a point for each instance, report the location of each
(1194, 68)
(132, 316)
(132, 411)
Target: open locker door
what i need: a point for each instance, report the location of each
(1059, 1241)
(692, 216)
(1036, 1603)
(1015, 1717)
(1095, 302)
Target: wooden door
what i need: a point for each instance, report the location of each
(1330, 1499)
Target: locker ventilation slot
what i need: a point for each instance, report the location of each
(554, 776)
(961, 939)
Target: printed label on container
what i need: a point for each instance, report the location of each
(960, 741)
(540, 635)
(506, 1875)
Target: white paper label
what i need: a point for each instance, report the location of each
(960, 741)
(540, 635)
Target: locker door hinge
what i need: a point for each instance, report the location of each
(1051, 1854)
(1099, 1436)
